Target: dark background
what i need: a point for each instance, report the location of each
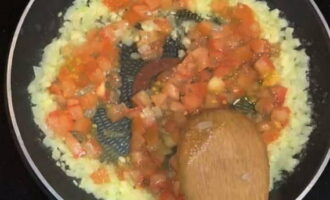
(15, 181)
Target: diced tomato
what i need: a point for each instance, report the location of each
(204, 76)
(60, 122)
(265, 105)
(97, 76)
(281, 115)
(215, 57)
(280, 93)
(116, 112)
(271, 136)
(217, 44)
(115, 5)
(152, 4)
(137, 178)
(142, 98)
(55, 89)
(121, 173)
(201, 58)
(205, 28)
(260, 46)
(100, 176)
(222, 71)
(247, 77)
(158, 181)
(69, 88)
(159, 99)
(241, 55)
(138, 126)
(194, 96)
(171, 91)
(182, 3)
(177, 106)
(82, 125)
(166, 4)
(143, 162)
(92, 148)
(151, 137)
(243, 13)
(220, 7)
(137, 141)
(192, 102)
(74, 146)
(76, 111)
(72, 102)
(264, 66)
(198, 89)
(248, 26)
(137, 13)
(163, 25)
(105, 63)
(88, 101)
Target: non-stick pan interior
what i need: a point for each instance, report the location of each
(41, 26)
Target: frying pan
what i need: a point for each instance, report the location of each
(39, 25)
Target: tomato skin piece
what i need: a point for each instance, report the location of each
(264, 66)
(280, 94)
(222, 71)
(60, 122)
(100, 176)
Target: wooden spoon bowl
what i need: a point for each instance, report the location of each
(222, 157)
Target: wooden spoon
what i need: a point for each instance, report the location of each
(222, 157)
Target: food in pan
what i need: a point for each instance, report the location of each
(114, 90)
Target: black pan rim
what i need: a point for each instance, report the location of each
(18, 137)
